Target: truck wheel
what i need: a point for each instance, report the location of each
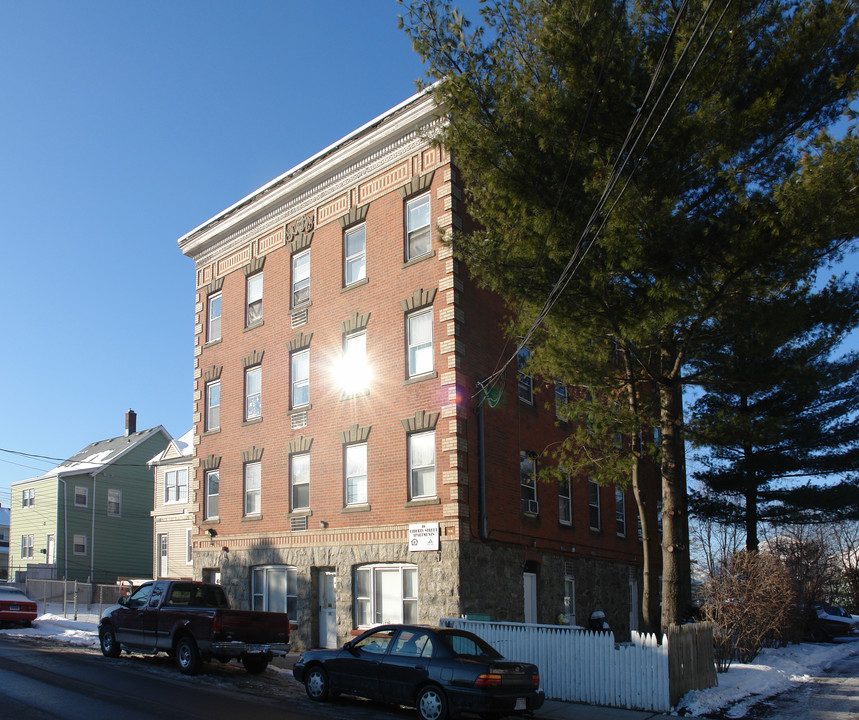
(187, 658)
(316, 684)
(255, 664)
(109, 647)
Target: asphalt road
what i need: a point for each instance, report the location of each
(41, 680)
(831, 695)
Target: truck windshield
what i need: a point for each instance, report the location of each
(190, 595)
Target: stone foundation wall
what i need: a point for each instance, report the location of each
(438, 580)
(493, 585)
(475, 578)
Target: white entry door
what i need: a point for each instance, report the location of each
(530, 580)
(51, 550)
(327, 610)
(162, 555)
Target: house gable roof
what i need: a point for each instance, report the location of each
(97, 456)
(178, 449)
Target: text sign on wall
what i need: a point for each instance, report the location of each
(423, 536)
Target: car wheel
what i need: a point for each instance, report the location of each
(316, 684)
(187, 658)
(431, 703)
(817, 635)
(255, 664)
(109, 647)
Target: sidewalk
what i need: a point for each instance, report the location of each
(555, 710)
(551, 710)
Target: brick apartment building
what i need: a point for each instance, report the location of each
(343, 470)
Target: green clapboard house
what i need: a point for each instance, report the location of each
(89, 519)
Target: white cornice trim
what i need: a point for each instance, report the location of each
(406, 118)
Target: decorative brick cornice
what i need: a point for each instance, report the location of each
(213, 373)
(254, 266)
(355, 434)
(420, 421)
(355, 323)
(354, 216)
(252, 455)
(417, 184)
(419, 299)
(255, 358)
(213, 462)
(299, 234)
(300, 444)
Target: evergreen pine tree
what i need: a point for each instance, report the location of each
(633, 168)
(778, 417)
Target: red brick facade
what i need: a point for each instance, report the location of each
(366, 181)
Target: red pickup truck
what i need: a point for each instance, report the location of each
(193, 622)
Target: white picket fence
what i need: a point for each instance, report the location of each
(582, 666)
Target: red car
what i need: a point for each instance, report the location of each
(16, 607)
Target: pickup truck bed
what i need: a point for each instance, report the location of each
(193, 622)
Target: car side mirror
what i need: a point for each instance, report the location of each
(350, 647)
(123, 601)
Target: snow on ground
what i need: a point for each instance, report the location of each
(772, 672)
(743, 686)
(83, 632)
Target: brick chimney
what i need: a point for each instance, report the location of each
(130, 422)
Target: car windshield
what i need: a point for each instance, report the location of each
(465, 644)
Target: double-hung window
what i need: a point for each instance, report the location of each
(422, 465)
(565, 502)
(28, 497)
(213, 405)
(561, 400)
(79, 543)
(253, 484)
(81, 496)
(254, 299)
(300, 486)
(418, 234)
(524, 380)
(114, 502)
(355, 372)
(594, 504)
(620, 511)
(176, 486)
(528, 483)
(301, 278)
(354, 255)
(356, 474)
(213, 324)
(419, 339)
(26, 546)
(300, 378)
(253, 393)
(212, 477)
(275, 589)
(386, 594)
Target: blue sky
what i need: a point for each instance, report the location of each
(122, 127)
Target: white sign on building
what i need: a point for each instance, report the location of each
(423, 536)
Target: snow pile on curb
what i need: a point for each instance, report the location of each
(63, 630)
(772, 672)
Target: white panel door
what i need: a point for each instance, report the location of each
(530, 581)
(327, 610)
